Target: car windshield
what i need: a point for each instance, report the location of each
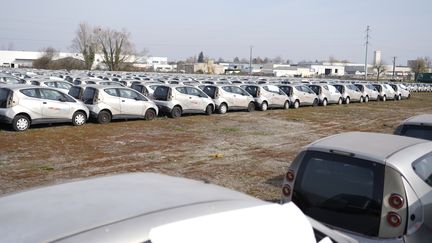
(342, 191)
(417, 131)
(423, 168)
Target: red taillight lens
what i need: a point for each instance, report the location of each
(396, 201)
(394, 219)
(290, 175)
(286, 190)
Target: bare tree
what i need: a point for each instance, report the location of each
(380, 68)
(115, 46)
(45, 60)
(332, 60)
(85, 43)
(420, 65)
(278, 59)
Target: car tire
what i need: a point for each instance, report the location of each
(21, 123)
(315, 102)
(251, 107)
(324, 102)
(79, 118)
(176, 112)
(286, 105)
(400, 97)
(347, 100)
(340, 101)
(361, 99)
(209, 110)
(264, 106)
(296, 104)
(150, 115)
(104, 117)
(223, 108)
(384, 98)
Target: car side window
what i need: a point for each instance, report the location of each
(299, 88)
(30, 93)
(35, 83)
(182, 90)
(227, 89)
(423, 168)
(236, 90)
(50, 94)
(112, 92)
(63, 85)
(50, 84)
(193, 91)
(129, 94)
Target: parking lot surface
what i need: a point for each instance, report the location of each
(244, 151)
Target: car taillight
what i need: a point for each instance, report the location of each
(286, 190)
(396, 201)
(290, 175)
(394, 219)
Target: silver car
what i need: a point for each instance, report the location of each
(327, 94)
(26, 105)
(61, 85)
(369, 92)
(175, 100)
(300, 95)
(401, 90)
(229, 97)
(419, 126)
(350, 93)
(147, 207)
(374, 187)
(267, 96)
(113, 102)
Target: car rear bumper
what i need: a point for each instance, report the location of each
(164, 110)
(5, 119)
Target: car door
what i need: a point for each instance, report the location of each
(197, 99)
(229, 96)
(241, 97)
(55, 104)
(32, 102)
(112, 100)
(334, 93)
(184, 99)
(308, 94)
(131, 102)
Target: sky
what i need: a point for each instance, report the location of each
(297, 30)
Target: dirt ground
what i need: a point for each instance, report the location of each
(249, 152)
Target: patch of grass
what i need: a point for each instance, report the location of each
(46, 168)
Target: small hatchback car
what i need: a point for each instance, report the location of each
(417, 127)
(25, 105)
(327, 94)
(229, 97)
(175, 100)
(267, 96)
(374, 187)
(113, 102)
(350, 93)
(300, 95)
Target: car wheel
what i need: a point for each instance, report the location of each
(209, 110)
(361, 99)
(400, 97)
(79, 118)
(324, 102)
(251, 107)
(340, 101)
(286, 105)
(176, 112)
(347, 100)
(315, 102)
(104, 117)
(223, 108)
(150, 114)
(366, 99)
(296, 104)
(20, 123)
(264, 106)
(384, 98)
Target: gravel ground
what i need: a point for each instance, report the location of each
(248, 152)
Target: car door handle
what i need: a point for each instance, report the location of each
(44, 103)
(123, 100)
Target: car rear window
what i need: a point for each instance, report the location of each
(4, 96)
(417, 131)
(315, 88)
(252, 90)
(423, 168)
(342, 191)
(75, 92)
(210, 91)
(286, 89)
(340, 88)
(161, 93)
(88, 95)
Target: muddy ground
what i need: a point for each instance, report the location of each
(248, 152)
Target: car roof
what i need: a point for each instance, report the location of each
(377, 147)
(425, 119)
(60, 211)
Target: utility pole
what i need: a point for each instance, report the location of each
(366, 54)
(250, 60)
(394, 66)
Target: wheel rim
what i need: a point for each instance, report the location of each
(264, 106)
(22, 124)
(296, 104)
(286, 105)
(177, 112)
(325, 103)
(79, 119)
(340, 102)
(347, 101)
(251, 107)
(223, 109)
(150, 115)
